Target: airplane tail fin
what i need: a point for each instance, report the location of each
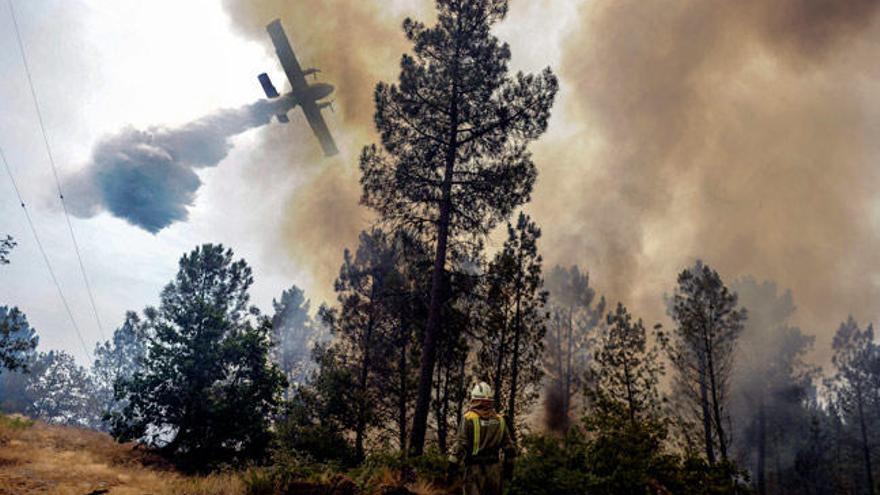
(271, 92)
(268, 87)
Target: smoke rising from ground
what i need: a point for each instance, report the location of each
(744, 133)
(148, 177)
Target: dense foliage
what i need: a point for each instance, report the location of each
(17, 339)
(207, 390)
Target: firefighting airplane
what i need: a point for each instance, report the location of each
(302, 93)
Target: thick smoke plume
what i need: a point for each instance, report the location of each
(744, 133)
(356, 44)
(148, 177)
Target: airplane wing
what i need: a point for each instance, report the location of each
(285, 54)
(316, 120)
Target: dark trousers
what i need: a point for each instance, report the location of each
(483, 479)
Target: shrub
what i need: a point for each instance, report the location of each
(552, 465)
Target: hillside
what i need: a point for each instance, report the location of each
(36, 457)
(39, 458)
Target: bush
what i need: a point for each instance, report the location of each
(15, 422)
(551, 465)
(304, 439)
(617, 458)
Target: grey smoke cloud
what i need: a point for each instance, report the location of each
(736, 132)
(149, 177)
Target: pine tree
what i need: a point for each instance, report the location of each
(406, 305)
(625, 372)
(294, 335)
(772, 383)
(207, 390)
(118, 360)
(454, 157)
(575, 314)
(852, 388)
(515, 321)
(62, 392)
(708, 323)
(17, 340)
(367, 282)
(6, 246)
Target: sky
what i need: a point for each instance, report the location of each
(742, 133)
(98, 67)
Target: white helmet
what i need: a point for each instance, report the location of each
(481, 391)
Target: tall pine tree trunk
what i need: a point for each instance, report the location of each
(361, 426)
(716, 410)
(404, 394)
(866, 447)
(762, 450)
(499, 365)
(566, 397)
(707, 417)
(514, 371)
(432, 328)
(437, 404)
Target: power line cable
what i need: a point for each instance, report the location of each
(30, 222)
(82, 267)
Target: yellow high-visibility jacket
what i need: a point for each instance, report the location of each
(481, 440)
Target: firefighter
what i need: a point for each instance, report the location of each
(483, 439)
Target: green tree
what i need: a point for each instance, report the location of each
(365, 289)
(625, 372)
(294, 335)
(701, 347)
(207, 390)
(320, 416)
(575, 314)
(62, 392)
(454, 157)
(772, 383)
(17, 339)
(396, 372)
(6, 246)
(515, 320)
(118, 360)
(852, 388)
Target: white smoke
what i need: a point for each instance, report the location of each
(148, 177)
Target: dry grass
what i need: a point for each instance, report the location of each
(388, 480)
(40, 458)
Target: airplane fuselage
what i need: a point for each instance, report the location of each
(314, 92)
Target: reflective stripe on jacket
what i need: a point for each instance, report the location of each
(481, 439)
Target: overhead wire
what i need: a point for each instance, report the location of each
(42, 250)
(30, 81)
